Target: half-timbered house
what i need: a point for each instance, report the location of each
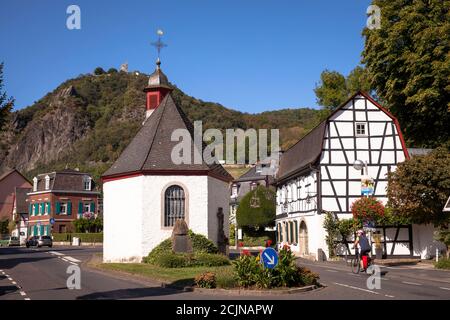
(316, 175)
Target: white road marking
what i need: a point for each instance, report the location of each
(56, 253)
(13, 282)
(10, 279)
(389, 296)
(27, 299)
(331, 270)
(22, 293)
(444, 288)
(72, 259)
(65, 259)
(356, 288)
(412, 283)
(75, 264)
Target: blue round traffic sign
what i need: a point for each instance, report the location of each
(269, 257)
(52, 220)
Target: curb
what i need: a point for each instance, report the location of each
(250, 292)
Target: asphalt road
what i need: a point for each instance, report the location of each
(41, 273)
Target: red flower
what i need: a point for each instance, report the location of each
(241, 244)
(245, 253)
(269, 243)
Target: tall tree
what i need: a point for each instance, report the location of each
(334, 88)
(6, 103)
(419, 188)
(331, 91)
(408, 62)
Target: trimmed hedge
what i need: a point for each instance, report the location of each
(84, 237)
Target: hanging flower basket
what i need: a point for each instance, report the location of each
(367, 209)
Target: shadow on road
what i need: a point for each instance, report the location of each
(133, 293)
(7, 289)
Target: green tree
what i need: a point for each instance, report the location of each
(334, 88)
(98, 71)
(6, 104)
(408, 62)
(257, 208)
(331, 91)
(419, 188)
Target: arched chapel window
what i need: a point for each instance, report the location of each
(174, 207)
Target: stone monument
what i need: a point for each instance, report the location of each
(181, 243)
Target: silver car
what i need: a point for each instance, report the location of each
(40, 241)
(13, 241)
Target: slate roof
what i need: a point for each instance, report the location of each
(150, 150)
(65, 180)
(302, 154)
(8, 172)
(252, 175)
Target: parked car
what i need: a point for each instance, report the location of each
(13, 241)
(39, 241)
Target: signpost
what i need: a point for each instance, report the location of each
(269, 258)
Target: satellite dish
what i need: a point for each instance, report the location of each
(358, 165)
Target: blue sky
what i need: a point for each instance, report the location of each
(250, 55)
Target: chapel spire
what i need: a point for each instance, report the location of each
(158, 84)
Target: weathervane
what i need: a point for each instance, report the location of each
(159, 44)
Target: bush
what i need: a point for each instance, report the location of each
(171, 260)
(250, 272)
(257, 208)
(210, 260)
(206, 280)
(200, 244)
(367, 209)
(307, 277)
(442, 264)
(182, 260)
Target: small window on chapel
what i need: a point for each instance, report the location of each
(361, 129)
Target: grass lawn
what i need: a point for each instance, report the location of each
(175, 276)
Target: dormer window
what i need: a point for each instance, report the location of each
(35, 181)
(87, 183)
(47, 182)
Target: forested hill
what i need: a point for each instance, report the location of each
(86, 122)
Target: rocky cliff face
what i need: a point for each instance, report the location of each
(48, 137)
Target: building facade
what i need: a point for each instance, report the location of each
(146, 192)
(65, 196)
(9, 181)
(317, 174)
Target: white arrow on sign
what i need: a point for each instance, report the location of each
(271, 259)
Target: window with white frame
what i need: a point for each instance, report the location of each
(47, 182)
(86, 207)
(87, 183)
(35, 181)
(361, 129)
(63, 207)
(234, 190)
